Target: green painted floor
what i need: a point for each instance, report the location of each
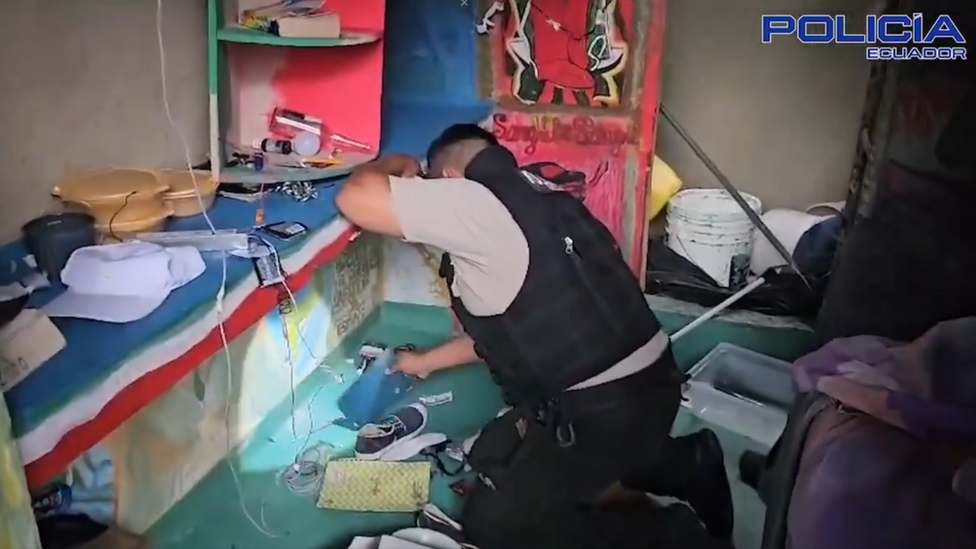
(211, 515)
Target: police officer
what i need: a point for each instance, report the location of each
(547, 301)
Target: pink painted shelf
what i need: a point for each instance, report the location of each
(338, 81)
(243, 35)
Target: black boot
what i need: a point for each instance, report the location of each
(751, 466)
(692, 469)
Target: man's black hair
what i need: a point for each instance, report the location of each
(458, 133)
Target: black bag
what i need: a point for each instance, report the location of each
(783, 293)
(516, 459)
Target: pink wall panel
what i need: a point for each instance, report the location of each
(593, 145)
(340, 85)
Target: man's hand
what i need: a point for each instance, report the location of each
(455, 352)
(413, 363)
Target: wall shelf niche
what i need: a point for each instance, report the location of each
(251, 73)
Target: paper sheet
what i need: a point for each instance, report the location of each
(26, 343)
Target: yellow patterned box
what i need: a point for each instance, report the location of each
(377, 486)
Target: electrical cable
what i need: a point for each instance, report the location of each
(303, 476)
(111, 221)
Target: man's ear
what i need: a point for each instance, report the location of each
(453, 173)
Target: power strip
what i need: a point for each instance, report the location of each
(224, 240)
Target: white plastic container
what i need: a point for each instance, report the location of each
(742, 391)
(708, 228)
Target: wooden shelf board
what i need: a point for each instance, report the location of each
(241, 35)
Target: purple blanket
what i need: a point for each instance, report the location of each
(877, 471)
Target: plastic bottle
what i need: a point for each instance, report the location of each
(307, 144)
(280, 146)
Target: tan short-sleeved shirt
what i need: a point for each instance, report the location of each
(488, 250)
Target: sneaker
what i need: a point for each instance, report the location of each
(376, 439)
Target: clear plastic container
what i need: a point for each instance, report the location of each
(743, 391)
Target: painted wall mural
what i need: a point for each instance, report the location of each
(409, 275)
(560, 52)
(166, 449)
(355, 290)
(586, 154)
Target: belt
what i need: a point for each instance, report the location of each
(558, 413)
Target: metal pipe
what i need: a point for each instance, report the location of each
(736, 195)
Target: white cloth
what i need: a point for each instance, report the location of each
(123, 282)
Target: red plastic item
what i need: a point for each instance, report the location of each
(462, 487)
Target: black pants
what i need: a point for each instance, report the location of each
(543, 493)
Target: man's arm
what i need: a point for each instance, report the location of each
(366, 199)
(456, 352)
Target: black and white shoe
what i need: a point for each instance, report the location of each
(392, 433)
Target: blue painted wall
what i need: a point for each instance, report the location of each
(430, 77)
(431, 47)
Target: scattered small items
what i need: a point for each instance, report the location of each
(292, 19)
(299, 191)
(462, 487)
(368, 353)
(438, 399)
(284, 230)
(54, 500)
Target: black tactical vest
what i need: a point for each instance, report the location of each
(580, 309)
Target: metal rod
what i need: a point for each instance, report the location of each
(718, 309)
(736, 195)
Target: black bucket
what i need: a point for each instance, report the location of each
(53, 238)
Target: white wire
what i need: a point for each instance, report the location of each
(221, 292)
(291, 295)
(172, 121)
(304, 476)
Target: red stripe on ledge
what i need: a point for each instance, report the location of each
(151, 386)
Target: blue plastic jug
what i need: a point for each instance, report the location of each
(376, 390)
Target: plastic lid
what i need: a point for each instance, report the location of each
(180, 183)
(108, 186)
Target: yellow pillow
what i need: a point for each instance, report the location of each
(665, 183)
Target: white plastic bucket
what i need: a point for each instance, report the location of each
(708, 228)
